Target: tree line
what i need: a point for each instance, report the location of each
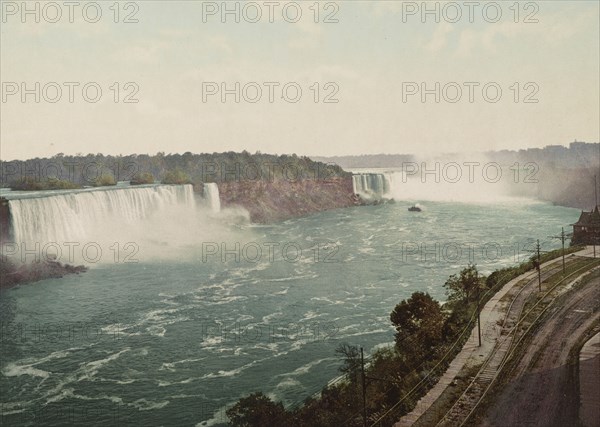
(65, 172)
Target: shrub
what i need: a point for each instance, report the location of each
(105, 180)
(142, 178)
(177, 176)
(31, 184)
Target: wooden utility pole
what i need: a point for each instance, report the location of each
(539, 266)
(595, 191)
(537, 262)
(562, 238)
(478, 313)
(364, 387)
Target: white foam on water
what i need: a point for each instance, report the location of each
(327, 300)
(162, 383)
(170, 366)
(27, 366)
(304, 369)
(232, 372)
(288, 383)
(90, 369)
(14, 370)
(267, 319)
(311, 315)
(148, 405)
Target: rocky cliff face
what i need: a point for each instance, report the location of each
(282, 199)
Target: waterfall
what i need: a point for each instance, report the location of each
(371, 186)
(211, 195)
(77, 215)
(424, 185)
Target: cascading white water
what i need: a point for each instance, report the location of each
(80, 215)
(371, 185)
(211, 195)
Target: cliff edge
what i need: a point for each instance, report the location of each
(270, 201)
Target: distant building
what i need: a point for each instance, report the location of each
(586, 231)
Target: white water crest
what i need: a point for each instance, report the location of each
(211, 195)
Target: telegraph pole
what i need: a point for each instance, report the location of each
(562, 238)
(364, 387)
(536, 259)
(595, 206)
(595, 190)
(539, 266)
(478, 313)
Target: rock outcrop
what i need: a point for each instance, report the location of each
(12, 273)
(269, 201)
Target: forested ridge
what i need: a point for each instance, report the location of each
(65, 171)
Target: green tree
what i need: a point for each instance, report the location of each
(27, 183)
(418, 322)
(465, 285)
(351, 355)
(176, 176)
(258, 410)
(31, 184)
(60, 184)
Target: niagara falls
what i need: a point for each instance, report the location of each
(300, 214)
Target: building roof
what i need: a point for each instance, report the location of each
(589, 219)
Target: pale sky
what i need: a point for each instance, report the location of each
(373, 55)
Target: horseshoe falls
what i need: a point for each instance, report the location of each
(371, 186)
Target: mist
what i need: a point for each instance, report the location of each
(464, 178)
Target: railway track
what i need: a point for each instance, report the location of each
(464, 407)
